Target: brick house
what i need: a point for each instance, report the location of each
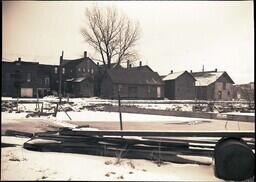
(79, 77)
(25, 79)
(179, 86)
(213, 85)
(133, 83)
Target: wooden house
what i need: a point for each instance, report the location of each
(78, 76)
(132, 83)
(179, 86)
(213, 85)
(244, 91)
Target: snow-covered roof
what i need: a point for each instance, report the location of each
(79, 79)
(173, 76)
(207, 78)
(76, 79)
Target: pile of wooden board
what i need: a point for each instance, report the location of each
(156, 146)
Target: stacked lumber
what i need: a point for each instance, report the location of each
(156, 146)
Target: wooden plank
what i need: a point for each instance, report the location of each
(240, 134)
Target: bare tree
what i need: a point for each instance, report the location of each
(111, 34)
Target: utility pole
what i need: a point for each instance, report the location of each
(60, 93)
(60, 77)
(119, 109)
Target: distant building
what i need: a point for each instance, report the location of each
(133, 83)
(244, 91)
(179, 86)
(79, 77)
(213, 85)
(26, 79)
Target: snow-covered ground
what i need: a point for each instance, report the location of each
(84, 104)
(21, 164)
(114, 116)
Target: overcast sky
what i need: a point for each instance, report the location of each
(175, 35)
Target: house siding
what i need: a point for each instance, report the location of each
(183, 87)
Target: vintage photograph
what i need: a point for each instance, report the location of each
(127, 91)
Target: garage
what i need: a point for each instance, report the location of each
(26, 92)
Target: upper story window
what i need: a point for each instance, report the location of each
(79, 69)
(92, 71)
(84, 70)
(63, 70)
(29, 77)
(55, 70)
(224, 85)
(47, 81)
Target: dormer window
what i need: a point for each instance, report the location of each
(55, 70)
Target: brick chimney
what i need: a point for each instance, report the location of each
(191, 71)
(19, 59)
(128, 63)
(215, 70)
(140, 63)
(85, 54)
(171, 71)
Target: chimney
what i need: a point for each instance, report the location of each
(128, 63)
(140, 63)
(215, 70)
(191, 71)
(203, 68)
(98, 64)
(171, 71)
(19, 59)
(61, 57)
(85, 54)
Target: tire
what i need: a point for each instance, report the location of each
(234, 160)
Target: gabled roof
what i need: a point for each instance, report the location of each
(69, 62)
(209, 77)
(175, 75)
(134, 76)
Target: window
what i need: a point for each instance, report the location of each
(29, 77)
(55, 70)
(63, 70)
(228, 93)
(224, 85)
(47, 81)
(158, 92)
(79, 69)
(84, 70)
(92, 71)
(219, 94)
(132, 91)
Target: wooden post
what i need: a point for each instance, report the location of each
(119, 109)
(60, 80)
